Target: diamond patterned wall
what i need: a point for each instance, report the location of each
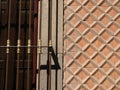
(91, 45)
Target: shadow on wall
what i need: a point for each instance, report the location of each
(54, 56)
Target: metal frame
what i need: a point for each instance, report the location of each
(47, 46)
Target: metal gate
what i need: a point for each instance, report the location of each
(91, 45)
(16, 57)
(30, 45)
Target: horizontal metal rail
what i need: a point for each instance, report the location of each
(24, 46)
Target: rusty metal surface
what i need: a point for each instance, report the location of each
(91, 45)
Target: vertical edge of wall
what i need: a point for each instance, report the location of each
(60, 42)
(44, 38)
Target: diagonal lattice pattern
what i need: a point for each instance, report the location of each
(91, 45)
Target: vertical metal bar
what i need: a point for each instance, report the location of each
(39, 63)
(39, 44)
(49, 44)
(28, 65)
(9, 18)
(0, 14)
(29, 44)
(6, 78)
(56, 72)
(18, 48)
(8, 44)
(35, 43)
(50, 22)
(49, 71)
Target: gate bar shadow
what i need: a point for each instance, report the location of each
(55, 67)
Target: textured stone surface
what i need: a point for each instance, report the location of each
(91, 45)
